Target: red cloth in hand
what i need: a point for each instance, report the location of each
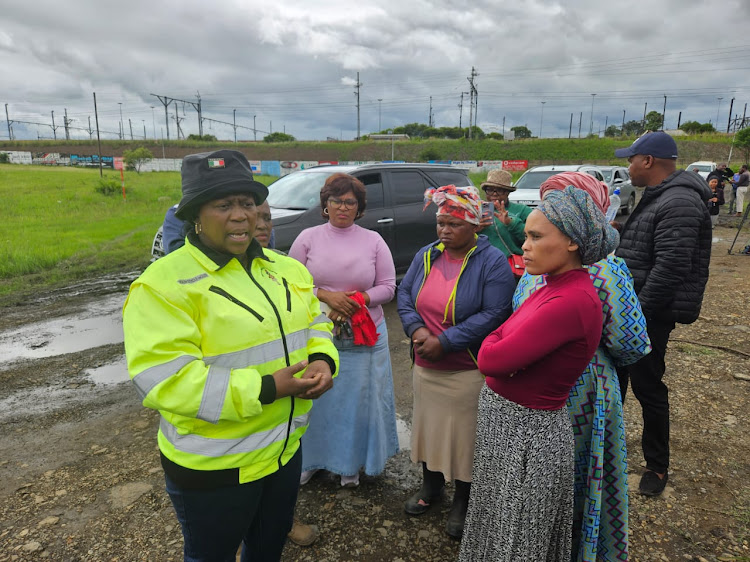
(363, 327)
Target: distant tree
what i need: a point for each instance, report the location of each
(653, 121)
(495, 136)
(429, 154)
(742, 141)
(633, 128)
(452, 132)
(612, 131)
(4, 158)
(477, 133)
(210, 138)
(136, 158)
(431, 132)
(521, 132)
(695, 128)
(278, 137)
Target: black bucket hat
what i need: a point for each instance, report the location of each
(213, 175)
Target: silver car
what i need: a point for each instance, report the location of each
(527, 186)
(618, 176)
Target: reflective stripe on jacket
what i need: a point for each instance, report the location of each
(198, 339)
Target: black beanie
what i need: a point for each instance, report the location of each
(212, 175)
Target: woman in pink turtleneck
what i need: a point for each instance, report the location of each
(355, 428)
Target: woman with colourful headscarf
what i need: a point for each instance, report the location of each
(456, 291)
(521, 505)
(600, 514)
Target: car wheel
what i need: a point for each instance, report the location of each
(630, 206)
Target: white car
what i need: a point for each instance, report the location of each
(527, 186)
(703, 167)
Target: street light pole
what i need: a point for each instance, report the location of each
(541, 121)
(591, 126)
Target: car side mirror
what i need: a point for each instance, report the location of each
(618, 180)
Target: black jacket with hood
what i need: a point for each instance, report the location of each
(667, 247)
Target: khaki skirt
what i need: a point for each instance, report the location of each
(444, 422)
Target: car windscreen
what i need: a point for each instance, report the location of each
(607, 174)
(297, 191)
(532, 180)
(700, 167)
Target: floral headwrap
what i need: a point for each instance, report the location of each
(460, 202)
(573, 211)
(598, 191)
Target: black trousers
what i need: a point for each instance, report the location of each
(646, 379)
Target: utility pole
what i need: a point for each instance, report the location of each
(90, 131)
(503, 126)
(731, 105)
(664, 114)
(380, 106)
(591, 125)
(67, 125)
(122, 125)
(255, 131)
(580, 120)
(130, 123)
(165, 102)
(54, 129)
(144, 128)
(472, 99)
(541, 121)
(98, 139)
(717, 110)
(177, 120)
(570, 129)
(679, 119)
(645, 106)
(234, 124)
(356, 93)
(429, 117)
(199, 109)
(622, 130)
(7, 120)
(461, 109)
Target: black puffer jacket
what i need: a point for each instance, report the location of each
(667, 247)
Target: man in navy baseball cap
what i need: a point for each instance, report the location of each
(657, 144)
(666, 244)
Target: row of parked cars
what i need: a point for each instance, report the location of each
(395, 200)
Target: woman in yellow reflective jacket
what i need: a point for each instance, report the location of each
(228, 343)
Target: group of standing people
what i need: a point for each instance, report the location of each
(518, 385)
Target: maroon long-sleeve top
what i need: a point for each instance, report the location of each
(537, 355)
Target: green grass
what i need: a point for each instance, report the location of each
(57, 228)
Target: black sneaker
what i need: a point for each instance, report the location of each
(651, 484)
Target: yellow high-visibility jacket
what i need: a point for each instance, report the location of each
(199, 337)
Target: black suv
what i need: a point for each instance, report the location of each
(394, 203)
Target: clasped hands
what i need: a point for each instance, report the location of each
(426, 344)
(341, 305)
(316, 380)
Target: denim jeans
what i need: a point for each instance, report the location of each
(257, 514)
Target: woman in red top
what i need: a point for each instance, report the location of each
(521, 505)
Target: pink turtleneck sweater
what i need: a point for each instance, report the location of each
(348, 259)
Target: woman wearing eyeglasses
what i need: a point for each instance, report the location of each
(354, 275)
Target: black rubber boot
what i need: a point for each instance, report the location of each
(431, 490)
(455, 525)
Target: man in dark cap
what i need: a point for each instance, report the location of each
(667, 247)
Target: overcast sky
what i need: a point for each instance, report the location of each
(293, 64)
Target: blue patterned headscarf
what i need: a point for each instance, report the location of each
(575, 214)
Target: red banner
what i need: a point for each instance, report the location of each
(515, 165)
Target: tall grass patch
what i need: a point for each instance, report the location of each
(57, 226)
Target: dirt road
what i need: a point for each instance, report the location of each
(80, 478)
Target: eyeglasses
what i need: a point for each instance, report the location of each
(346, 203)
(495, 191)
